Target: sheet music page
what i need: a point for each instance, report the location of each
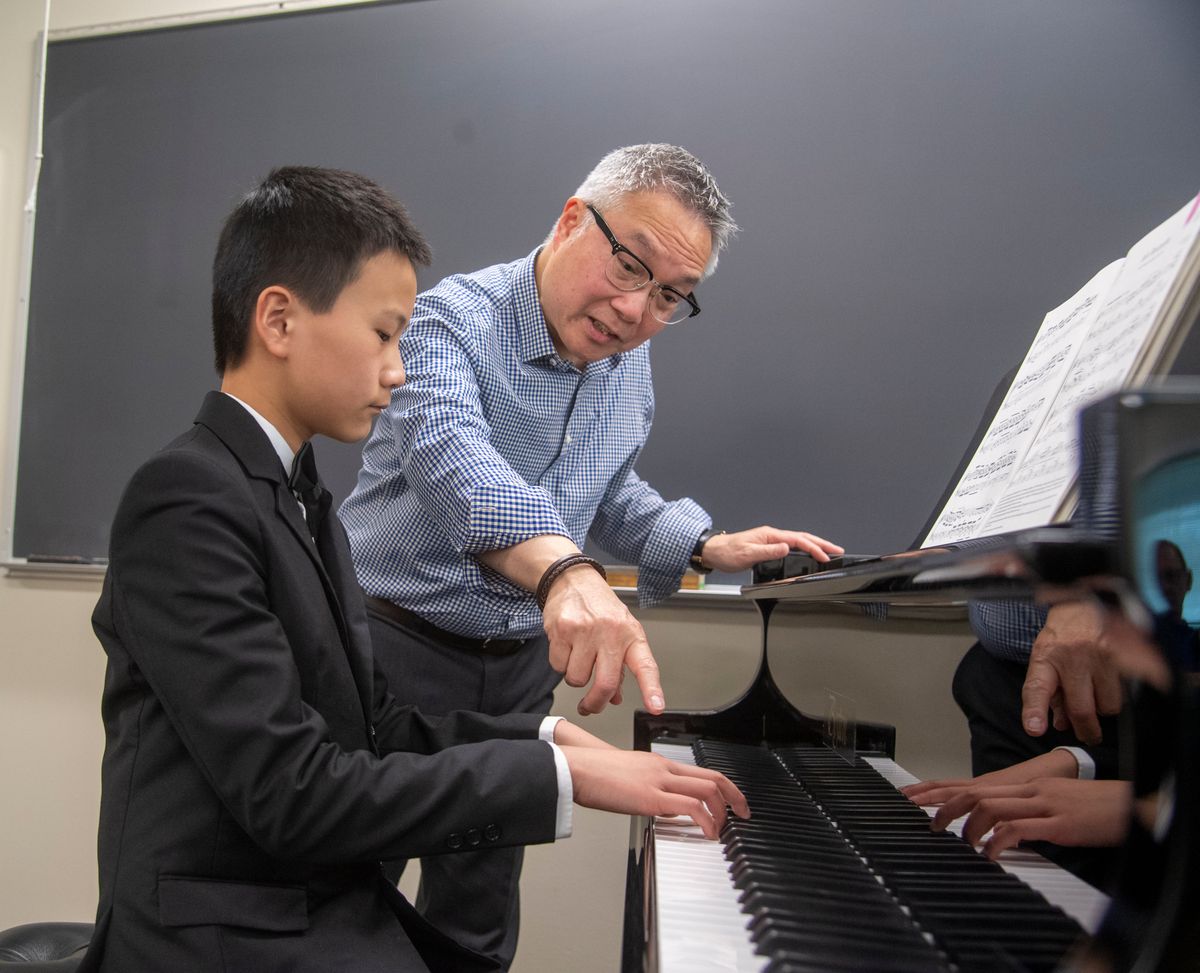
(1023, 412)
(1121, 326)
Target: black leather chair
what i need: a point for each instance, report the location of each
(44, 947)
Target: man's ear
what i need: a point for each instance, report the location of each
(273, 313)
(573, 214)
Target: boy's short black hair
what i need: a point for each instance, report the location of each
(307, 229)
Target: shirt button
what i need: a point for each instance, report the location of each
(473, 837)
(455, 841)
(492, 832)
(570, 439)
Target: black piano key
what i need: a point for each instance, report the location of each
(798, 964)
(873, 916)
(770, 902)
(857, 883)
(841, 956)
(995, 959)
(868, 947)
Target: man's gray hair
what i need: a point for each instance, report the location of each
(659, 167)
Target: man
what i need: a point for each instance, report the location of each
(516, 437)
(256, 767)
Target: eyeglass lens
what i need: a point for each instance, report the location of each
(629, 275)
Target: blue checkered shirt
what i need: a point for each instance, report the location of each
(494, 439)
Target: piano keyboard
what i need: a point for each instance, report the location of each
(818, 907)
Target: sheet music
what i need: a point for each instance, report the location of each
(1105, 335)
(1022, 414)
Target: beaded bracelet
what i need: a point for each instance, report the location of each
(551, 574)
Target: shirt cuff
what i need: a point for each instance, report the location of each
(1083, 760)
(668, 549)
(505, 514)
(563, 822)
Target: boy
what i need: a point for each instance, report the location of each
(256, 769)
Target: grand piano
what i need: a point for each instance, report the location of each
(838, 871)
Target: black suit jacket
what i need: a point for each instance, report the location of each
(256, 770)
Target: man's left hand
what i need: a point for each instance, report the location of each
(737, 552)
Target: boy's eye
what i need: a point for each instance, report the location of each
(384, 336)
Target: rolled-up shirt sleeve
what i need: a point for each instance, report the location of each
(636, 524)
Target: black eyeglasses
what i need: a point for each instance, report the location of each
(626, 270)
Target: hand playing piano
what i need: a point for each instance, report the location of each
(931, 793)
(1074, 813)
(635, 782)
(746, 548)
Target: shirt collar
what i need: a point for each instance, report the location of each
(278, 443)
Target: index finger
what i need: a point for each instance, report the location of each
(1041, 683)
(968, 799)
(640, 661)
(935, 795)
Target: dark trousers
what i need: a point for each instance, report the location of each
(988, 691)
(472, 896)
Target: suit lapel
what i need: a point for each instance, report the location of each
(330, 555)
(335, 555)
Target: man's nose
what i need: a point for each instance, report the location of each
(631, 305)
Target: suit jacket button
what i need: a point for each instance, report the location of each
(473, 837)
(455, 841)
(492, 832)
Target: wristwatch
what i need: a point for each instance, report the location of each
(696, 563)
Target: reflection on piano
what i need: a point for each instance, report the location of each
(835, 870)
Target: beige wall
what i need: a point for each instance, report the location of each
(51, 669)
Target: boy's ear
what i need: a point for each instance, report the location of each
(272, 325)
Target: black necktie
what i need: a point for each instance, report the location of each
(303, 482)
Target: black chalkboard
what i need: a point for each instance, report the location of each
(918, 183)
